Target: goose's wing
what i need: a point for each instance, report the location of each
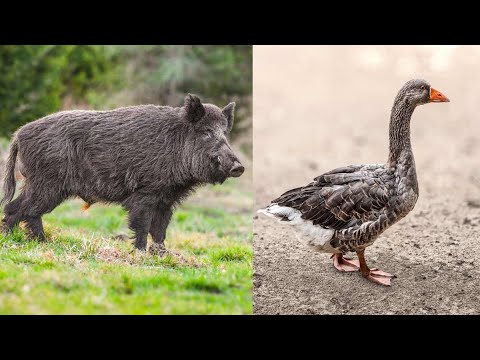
(342, 197)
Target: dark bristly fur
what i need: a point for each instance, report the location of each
(148, 158)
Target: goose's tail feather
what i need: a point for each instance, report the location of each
(281, 213)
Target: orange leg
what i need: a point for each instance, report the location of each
(375, 275)
(343, 264)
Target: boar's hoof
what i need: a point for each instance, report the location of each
(35, 237)
(157, 249)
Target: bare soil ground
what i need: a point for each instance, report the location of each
(317, 108)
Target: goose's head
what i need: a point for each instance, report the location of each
(418, 92)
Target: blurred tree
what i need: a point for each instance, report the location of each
(38, 80)
(163, 74)
(34, 79)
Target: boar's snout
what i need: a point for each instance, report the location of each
(237, 169)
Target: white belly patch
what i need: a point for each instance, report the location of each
(311, 235)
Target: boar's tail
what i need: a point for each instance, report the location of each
(9, 180)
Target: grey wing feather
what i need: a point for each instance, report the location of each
(340, 198)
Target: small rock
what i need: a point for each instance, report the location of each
(466, 221)
(416, 245)
(450, 254)
(359, 140)
(473, 203)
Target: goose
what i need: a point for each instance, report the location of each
(346, 209)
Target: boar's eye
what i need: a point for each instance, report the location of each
(207, 134)
(215, 160)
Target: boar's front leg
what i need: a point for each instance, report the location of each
(140, 208)
(158, 229)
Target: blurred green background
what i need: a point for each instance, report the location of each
(36, 80)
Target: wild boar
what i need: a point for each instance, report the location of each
(147, 158)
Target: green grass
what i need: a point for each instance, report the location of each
(82, 270)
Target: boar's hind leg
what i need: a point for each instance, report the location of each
(13, 215)
(160, 221)
(29, 208)
(35, 205)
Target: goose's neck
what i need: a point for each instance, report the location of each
(400, 145)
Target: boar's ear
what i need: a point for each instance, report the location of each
(194, 108)
(227, 111)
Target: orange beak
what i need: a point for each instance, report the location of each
(437, 96)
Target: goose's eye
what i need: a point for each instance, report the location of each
(423, 87)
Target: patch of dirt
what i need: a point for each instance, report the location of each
(318, 108)
(49, 255)
(110, 254)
